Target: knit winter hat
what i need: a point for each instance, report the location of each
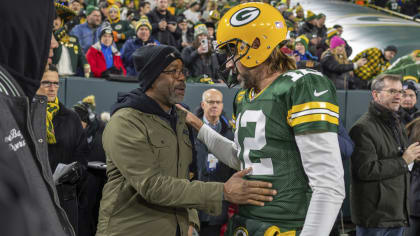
(200, 29)
(320, 15)
(331, 33)
(299, 8)
(410, 83)
(310, 16)
(105, 29)
(144, 21)
(303, 40)
(90, 9)
(151, 60)
(336, 41)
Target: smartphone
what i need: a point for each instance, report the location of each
(205, 45)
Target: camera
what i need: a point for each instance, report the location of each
(205, 44)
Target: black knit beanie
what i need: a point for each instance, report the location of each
(409, 84)
(151, 60)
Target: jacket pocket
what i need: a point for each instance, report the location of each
(164, 150)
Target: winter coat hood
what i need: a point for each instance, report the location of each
(26, 36)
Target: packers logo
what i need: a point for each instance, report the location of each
(244, 16)
(240, 231)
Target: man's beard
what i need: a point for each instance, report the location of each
(247, 81)
(173, 97)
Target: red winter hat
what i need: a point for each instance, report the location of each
(336, 41)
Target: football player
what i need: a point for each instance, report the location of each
(286, 128)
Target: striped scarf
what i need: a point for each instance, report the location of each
(52, 109)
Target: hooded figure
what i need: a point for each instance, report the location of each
(28, 198)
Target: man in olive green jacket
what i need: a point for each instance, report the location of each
(149, 150)
(379, 163)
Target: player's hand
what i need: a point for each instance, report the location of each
(191, 119)
(240, 191)
(412, 153)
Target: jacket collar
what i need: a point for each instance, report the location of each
(383, 113)
(97, 46)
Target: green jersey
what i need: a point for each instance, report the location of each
(297, 102)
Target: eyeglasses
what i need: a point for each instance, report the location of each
(176, 73)
(394, 92)
(214, 102)
(49, 84)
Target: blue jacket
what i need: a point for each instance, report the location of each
(307, 56)
(86, 35)
(345, 142)
(127, 50)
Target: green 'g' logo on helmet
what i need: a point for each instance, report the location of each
(244, 16)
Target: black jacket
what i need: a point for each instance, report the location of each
(322, 32)
(220, 174)
(189, 35)
(308, 28)
(164, 37)
(379, 174)
(24, 47)
(24, 150)
(96, 178)
(407, 115)
(71, 146)
(338, 73)
(71, 143)
(198, 66)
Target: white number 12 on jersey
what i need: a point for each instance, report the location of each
(265, 166)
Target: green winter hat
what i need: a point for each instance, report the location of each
(320, 15)
(90, 9)
(303, 40)
(310, 16)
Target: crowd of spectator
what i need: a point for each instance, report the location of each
(407, 7)
(98, 38)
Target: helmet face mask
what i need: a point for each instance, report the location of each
(227, 51)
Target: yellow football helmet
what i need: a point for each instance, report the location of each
(242, 24)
